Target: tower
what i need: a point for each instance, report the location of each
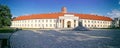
(64, 10)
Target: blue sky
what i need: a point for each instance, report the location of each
(25, 7)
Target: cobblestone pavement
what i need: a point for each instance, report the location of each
(65, 39)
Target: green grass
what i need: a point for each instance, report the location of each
(7, 30)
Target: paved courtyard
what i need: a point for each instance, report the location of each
(65, 39)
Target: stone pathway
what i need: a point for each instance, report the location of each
(58, 39)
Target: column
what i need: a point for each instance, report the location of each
(74, 23)
(63, 23)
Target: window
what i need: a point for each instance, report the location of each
(98, 21)
(88, 21)
(39, 25)
(101, 25)
(35, 20)
(88, 25)
(31, 25)
(74, 21)
(50, 20)
(25, 24)
(95, 21)
(42, 20)
(92, 21)
(98, 25)
(35, 24)
(85, 21)
(92, 25)
(85, 25)
(46, 25)
(95, 25)
(54, 20)
(107, 22)
(43, 25)
(54, 25)
(50, 25)
(46, 20)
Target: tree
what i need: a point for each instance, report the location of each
(5, 16)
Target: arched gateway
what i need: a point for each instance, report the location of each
(69, 24)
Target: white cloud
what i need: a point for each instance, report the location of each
(114, 13)
(26, 14)
(119, 2)
(95, 14)
(14, 16)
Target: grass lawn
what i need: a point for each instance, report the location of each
(6, 30)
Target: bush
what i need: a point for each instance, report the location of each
(7, 30)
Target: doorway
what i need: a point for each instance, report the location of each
(68, 24)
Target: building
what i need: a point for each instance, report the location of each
(61, 19)
(116, 22)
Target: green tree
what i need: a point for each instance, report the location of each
(5, 16)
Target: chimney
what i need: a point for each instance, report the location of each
(64, 10)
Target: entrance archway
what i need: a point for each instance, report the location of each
(68, 24)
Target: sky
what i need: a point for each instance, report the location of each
(109, 8)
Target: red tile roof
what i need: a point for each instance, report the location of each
(56, 15)
(93, 17)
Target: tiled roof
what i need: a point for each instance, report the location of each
(93, 17)
(56, 15)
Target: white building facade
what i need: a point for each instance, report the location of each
(66, 20)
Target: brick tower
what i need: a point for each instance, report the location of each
(64, 10)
